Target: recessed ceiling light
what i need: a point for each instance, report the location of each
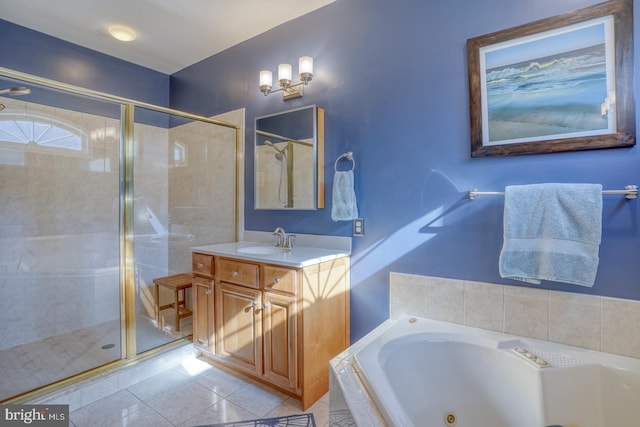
(122, 33)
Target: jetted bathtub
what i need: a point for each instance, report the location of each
(426, 373)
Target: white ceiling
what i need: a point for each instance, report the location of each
(172, 34)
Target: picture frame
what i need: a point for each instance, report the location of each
(563, 83)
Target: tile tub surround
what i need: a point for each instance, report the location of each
(604, 324)
(349, 401)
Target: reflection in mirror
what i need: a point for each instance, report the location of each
(289, 146)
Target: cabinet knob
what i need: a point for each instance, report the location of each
(254, 303)
(208, 291)
(265, 305)
(199, 265)
(276, 280)
(234, 273)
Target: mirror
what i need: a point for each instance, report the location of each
(289, 159)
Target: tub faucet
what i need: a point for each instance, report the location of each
(282, 236)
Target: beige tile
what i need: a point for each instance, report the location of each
(526, 312)
(526, 292)
(293, 406)
(408, 294)
(574, 319)
(222, 411)
(573, 298)
(621, 327)
(257, 399)
(221, 381)
(111, 410)
(446, 300)
(173, 396)
(484, 305)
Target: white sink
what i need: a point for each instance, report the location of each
(262, 250)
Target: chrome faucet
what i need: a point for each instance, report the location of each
(282, 237)
(284, 240)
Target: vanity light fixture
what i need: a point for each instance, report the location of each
(289, 91)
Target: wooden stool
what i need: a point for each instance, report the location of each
(177, 283)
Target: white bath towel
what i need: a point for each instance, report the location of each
(552, 232)
(343, 201)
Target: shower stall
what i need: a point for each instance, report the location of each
(99, 195)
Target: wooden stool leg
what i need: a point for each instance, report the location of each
(157, 305)
(177, 304)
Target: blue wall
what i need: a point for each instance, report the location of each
(392, 78)
(35, 53)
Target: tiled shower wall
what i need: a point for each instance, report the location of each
(598, 323)
(202, 187)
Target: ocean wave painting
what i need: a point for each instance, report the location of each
(548, 88)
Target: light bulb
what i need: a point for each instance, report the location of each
(305, 67)
(284, 74)
(266, 81)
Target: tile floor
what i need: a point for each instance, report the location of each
(31, 365)
(193, 394)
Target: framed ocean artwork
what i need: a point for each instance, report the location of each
(560, 84)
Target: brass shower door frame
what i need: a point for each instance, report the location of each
(127, 261)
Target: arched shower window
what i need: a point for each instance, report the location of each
(37, 132)
(42, 131)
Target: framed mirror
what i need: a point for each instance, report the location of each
(289, 160)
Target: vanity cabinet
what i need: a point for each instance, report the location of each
(203, 314)
(203, 302)
(279, 324)
(239, 338)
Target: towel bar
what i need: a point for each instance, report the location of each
(630, 192)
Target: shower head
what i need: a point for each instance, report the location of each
(16, 91)
(280, 153)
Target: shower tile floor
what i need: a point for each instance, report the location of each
(32, 365)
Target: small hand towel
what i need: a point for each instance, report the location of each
(343, 200)
(552, 232)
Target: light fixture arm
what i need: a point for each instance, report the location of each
(288, 91)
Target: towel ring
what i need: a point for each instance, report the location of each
(349, 156)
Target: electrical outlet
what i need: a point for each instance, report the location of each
(358, 227)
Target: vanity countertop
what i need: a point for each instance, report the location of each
(299, 256)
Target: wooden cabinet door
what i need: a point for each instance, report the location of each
(281, 340)
(239, 326)
(203, 314)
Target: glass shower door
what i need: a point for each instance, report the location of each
(184, 195)
(59, 237)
